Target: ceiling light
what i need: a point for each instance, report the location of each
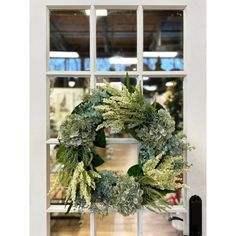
(164, 54)
(100, 12)
(71, 83)
(150, 88)
(170, 84)
(145, 78)
(123, 60)
(62, 54)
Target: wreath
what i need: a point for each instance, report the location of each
(146, 184)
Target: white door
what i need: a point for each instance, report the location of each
(60, 75)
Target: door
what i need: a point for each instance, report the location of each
(75, 45)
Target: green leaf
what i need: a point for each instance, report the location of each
(166, 191)
(100, 139)
(69, 208)
(97, 160)
(157, 106)
(135, 170)
(127, 83)
(60, 153)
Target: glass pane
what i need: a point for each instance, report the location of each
(159, 225)
(169, 93)
(69, 40)
(120, 157)
(58, 195)
(163, 40)
(70, 224)
(116, 40)
(65, 94)
(115, 224)
(117, 83)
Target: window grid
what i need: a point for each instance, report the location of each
(93, 74)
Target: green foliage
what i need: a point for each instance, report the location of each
(147, 152)
(67, 154)
(123, 110)
(176, 145)
(127, 195)
(146, 184)
(158, 129)
(104, 189)
(165, 172)
(135, 170)
(97, 160)
(79, 128)
(130, 88)
(100, 139)
(82, 181)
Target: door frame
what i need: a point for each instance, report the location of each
(194, 94)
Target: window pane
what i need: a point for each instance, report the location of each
(116, 40)
(70, 224)
(58, 196)
(117, 83)
(169, 93)
(69, 40)
(115, 224)
(163, 40)
(160, 224)
(119, 157)
(65, 94)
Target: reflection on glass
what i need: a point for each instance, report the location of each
(163, 40)
(116, 225)
(70, 224)
(65, 94)
(116, 40)
(169, 93)
(153, 222)
(117, 83)
(58, 195)
(69, 40)
(120, 157)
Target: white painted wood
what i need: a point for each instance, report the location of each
(53, 74)
(39, 218)
(109, 141)
(122, 4)
(140, 44)
(115, 73)
(63, 209)
(140, 222)
(92, 46)
(194, 104)
(195, 99)
(164, 73)
(92, 224)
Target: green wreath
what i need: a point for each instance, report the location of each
(161, 161)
